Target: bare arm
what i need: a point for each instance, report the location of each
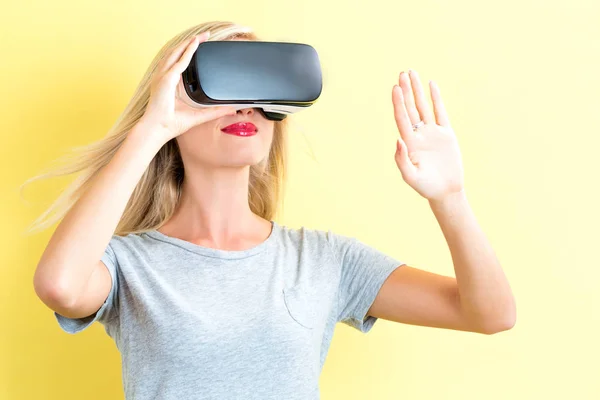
(70, 278)
(74, 250)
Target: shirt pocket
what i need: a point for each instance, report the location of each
(300, 305)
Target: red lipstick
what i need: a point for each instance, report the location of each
(241, 129)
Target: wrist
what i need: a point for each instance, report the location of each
(447, 200)
(143, 142)
(147, 135)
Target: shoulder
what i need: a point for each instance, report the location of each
(324, 243)
(305, 236)
(120, 246)
(130, 239)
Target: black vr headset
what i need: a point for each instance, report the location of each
(277, 78)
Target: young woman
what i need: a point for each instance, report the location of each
(167, 238)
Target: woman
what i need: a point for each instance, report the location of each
(167, 238)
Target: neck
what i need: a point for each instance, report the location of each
(214, 206)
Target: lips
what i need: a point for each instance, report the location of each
(241, 129)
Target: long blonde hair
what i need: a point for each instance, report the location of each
(157, 194)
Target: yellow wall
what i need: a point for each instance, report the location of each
(520, 82)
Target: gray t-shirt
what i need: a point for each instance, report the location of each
(192, 322)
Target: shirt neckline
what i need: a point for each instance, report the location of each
(216, 253)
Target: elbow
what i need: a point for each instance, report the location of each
(497, 327)
(500, 323)
(493, 319)
(53, 294)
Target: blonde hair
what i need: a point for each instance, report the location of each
(157, 194)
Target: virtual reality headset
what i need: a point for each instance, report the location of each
(275, 77)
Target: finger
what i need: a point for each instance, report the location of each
(409, 102)
(211, 113)
(185, 58)
(193, 118)
(405, 165)
(438, 105)
(420, 100)
(400, 115)
(175, 55)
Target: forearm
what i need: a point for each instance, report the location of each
(485, 295)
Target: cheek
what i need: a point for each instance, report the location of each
(197, 142)
(270, 133)
(267, 142)
(199, 135)
(202, 130)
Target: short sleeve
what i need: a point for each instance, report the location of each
(107, 311)
(363, 270)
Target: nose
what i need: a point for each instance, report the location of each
(246, 111)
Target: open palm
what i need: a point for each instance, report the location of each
(428, 158)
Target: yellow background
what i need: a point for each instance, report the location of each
(520, 83)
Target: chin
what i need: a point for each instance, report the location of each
(243, 162)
